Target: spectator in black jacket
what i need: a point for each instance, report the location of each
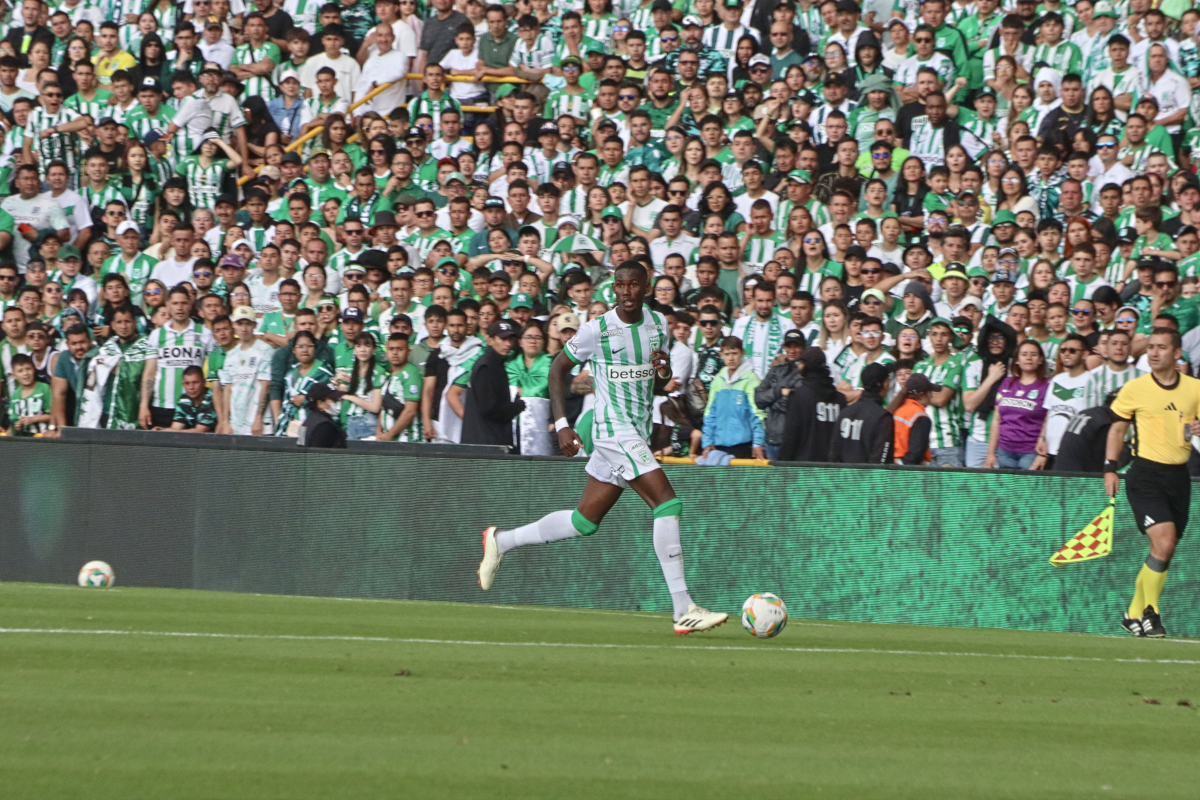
(782, 379)
(866, 429)
(487, 411)
(320, 429)
(22, 37)
(810, 426)
(1083, 443)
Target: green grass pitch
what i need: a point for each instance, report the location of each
(296, 697)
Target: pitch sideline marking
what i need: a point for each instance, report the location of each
(708, 648)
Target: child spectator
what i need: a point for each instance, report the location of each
(731, 423)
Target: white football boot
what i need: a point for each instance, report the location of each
(491, 558)
(696, 619)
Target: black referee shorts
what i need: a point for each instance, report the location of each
(1158, 493)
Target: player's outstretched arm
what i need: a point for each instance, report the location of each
(559, 380)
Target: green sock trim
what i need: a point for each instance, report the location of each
(671, 508)
(582, 524)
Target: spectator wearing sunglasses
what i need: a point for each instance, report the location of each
(1065, 397)
(1166, 299)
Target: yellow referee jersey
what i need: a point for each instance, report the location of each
(1159, 415)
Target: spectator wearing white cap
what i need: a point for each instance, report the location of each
(288, 107)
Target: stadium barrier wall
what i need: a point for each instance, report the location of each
(939, 547)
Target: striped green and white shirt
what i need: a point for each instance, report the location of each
(405, 385)
(136, 272)
(618, 355)
(945, 420)
(541, 167)
(97, 199)
(247, 55)
(425, 243)
(204, 183)
(1104, 379)
(561, 102)
(424, 104)
(56, 147)
(759, 250)
(176, 351)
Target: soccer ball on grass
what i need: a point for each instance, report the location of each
(764, 615)
(96, 574)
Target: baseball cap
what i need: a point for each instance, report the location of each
(414, 133)
(1127, 235)
(759, 59)
(446, 261)
(693, 21)
(290, 158)
(878, 295)
(794, 337)
(353, 314)
(152, 137)
(971, 300)
(548, 127)
(800, 176)
(493, 202)
(953, 270)
(457, 176)
(812, 357)
(571, 60)
(324, 391)
(125, 227)
(1004, 217)
(69, 251)
(232, 260)
(405, 199)
(919, 384)
(150, 85)
(243, 313)
(856, 251)
(874, 376)
(848, 5)
(566, 322)
(611, 211)
(289, 75)
(503, 329)
(105, 121)
(225, 199)
(563, 168)
(317, 151)
(521, 300)
(501, 275)
(270, 171)
(1103, 8)
(354, 267)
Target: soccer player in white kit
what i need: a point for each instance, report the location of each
(624, 351)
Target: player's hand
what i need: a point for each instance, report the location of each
(1112, 482)
(661, 364)
(568, 441)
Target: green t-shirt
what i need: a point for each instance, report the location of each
(36, 403)
(405, 385)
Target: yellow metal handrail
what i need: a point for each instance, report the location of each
(412, 76)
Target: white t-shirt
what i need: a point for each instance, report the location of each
(380, 69)
(40, 211)
(1064, 399)
(172, 273)
(76, 210)
(463, 90)
(246, 373)
(644, 216)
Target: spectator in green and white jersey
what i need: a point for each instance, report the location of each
(943, 368)
(276, 327)
(29, 403)
(399, 417)
(179, 344)
(194, 412)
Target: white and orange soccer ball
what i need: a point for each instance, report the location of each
(96, 575)
(764, 615)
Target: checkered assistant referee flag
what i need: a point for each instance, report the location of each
(1094, 541)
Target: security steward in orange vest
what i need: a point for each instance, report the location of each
(913, 423)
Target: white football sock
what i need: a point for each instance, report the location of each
(550, 528)
(670, 557)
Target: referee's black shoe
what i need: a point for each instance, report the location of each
(1132, 624)
(1152, 624)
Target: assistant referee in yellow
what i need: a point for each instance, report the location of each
(1163, 407)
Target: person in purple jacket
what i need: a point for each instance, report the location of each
(1019, 410)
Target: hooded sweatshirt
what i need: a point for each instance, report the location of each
(731, 417)
(810, 428)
